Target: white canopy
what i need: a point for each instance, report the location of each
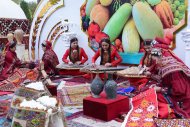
(9, 9)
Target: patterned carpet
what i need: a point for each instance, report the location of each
(71, 92)
(144, 108)
(80, 120)
(73, 95)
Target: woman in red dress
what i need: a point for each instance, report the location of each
(10, 62)
(146, 64)
(146, 60)
(174, 79)
(75, 53)
(165, 45)
(12, 71)
(49, 58)
(108, 54)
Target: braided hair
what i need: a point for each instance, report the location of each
(107, 40)
(70, 49)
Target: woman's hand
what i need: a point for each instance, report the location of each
(108, 64)
(93, 65)
(41, 65)
(147, 73)
(147, 68)
(156, 88)
(70, 63)
(78, 62)
(140, 66)
(157, 78)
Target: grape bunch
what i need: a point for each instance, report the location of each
(178, 8)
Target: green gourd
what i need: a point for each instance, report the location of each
(147, 22)
(116, 23)
(153, 2)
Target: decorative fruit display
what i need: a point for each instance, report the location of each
(165, 14)
(116, 23)
(147, 22)
(106, 2)
(89, 5)
(128, 22)
(100, 15)
(116, 4)
(153, 2)
(93, 29)
(130, 37)
(178, 8)
(100, 35)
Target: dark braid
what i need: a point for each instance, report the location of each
(70, 49)
(102, 50)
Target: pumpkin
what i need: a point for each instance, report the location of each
(89, 5)
(93, 29)
(100, 35)
(165, 14)
(100, 15)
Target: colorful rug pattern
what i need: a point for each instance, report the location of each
(144, 108)
(73, 95)
(80, 120)
(172, 122)
(19, 76)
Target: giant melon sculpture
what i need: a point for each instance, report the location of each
(130, 38)
(116, 23)
(147, 22)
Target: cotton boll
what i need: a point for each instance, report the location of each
(32, 104)
(36, 86)
(47, 101)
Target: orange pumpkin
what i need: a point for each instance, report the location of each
(100, 15)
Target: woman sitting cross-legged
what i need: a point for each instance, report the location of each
(12, 67)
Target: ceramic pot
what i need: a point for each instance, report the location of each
(96, 86)
(111, 89)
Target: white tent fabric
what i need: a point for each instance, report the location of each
(9, 9)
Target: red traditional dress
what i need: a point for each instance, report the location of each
(50, 60)
(114, 57)
(12, 75)
(176, 77)
(74, 56)
(165, 46)
(147, 61)
(10, 63)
